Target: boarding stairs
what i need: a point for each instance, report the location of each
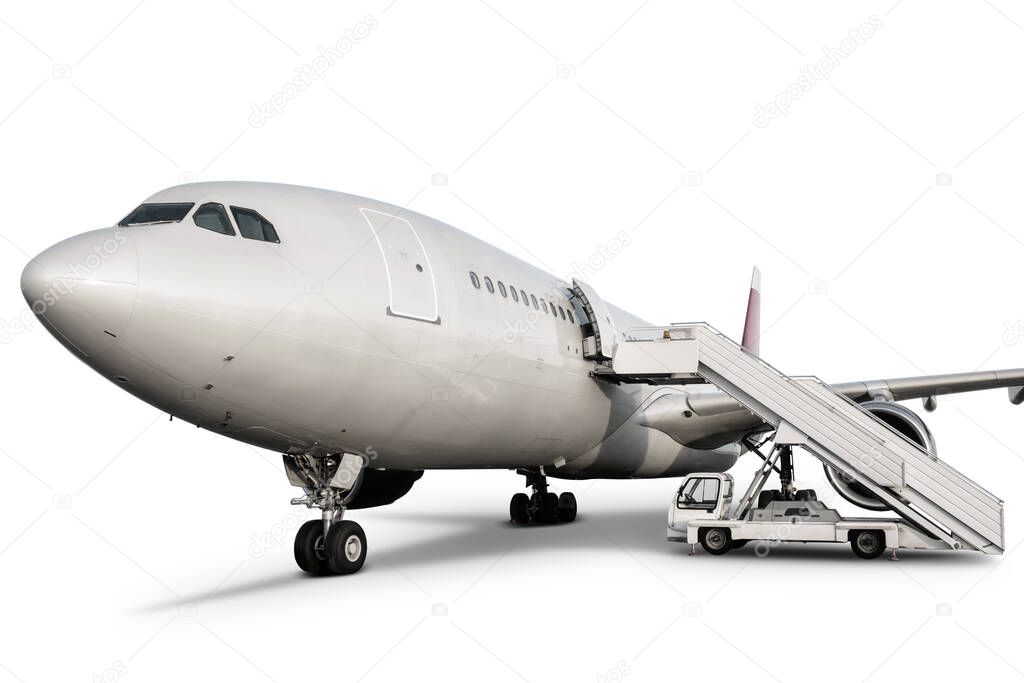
(806, 412)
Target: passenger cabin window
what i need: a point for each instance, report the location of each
(212, 216)
(501, 288)
(515, 297)
(474, 279)
(534, 300)
(254, 226)
(569, 313)
(699, 494)
(525, 299)
(150, 214)
(544, 305)
(489, 284)
(561, 312)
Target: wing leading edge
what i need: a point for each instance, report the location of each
(927, 387)
(931, 386)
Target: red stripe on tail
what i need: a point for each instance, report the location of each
(752, 324)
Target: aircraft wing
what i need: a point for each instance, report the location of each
(931, 386)
(927, 387)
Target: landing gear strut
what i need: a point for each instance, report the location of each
(331, 544)
(543, 507)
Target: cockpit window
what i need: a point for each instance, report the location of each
(148, 214)
(254, 226)
(212, 216)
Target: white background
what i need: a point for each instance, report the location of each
(133, 547)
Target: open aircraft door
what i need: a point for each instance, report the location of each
(600, 336)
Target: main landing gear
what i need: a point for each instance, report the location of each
(331, 544)
(542, 507)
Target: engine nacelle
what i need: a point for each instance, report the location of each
(899, 418)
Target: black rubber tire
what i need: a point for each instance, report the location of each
(867, 544)
(566, 507)
(806, 494)
(309, 549)
(519, 509)
(346, 547)
(738, 544)
(766, 497)
(547, 510)
(716, 540)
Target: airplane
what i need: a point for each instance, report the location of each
(367, 343)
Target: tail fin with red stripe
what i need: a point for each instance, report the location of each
(752, 324)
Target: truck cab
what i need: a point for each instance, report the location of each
(701, 496)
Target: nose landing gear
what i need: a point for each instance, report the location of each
(543, 507)
(330, 545)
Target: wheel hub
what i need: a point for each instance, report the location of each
(353, 548)
(319, 548)
(867, 542)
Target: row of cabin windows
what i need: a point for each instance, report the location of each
(521, 295)
(210, 216)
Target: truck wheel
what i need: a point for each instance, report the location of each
(867, 544)
(716, 540)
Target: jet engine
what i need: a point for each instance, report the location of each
(902, 420)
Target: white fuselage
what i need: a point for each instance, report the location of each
(360, 331)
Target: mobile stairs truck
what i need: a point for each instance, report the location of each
(702, 511)
(936, 506)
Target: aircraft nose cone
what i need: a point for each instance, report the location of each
(84, 288)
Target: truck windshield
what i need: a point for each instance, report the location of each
(700, 493)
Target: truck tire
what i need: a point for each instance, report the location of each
(867, 544)
(716, 540)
